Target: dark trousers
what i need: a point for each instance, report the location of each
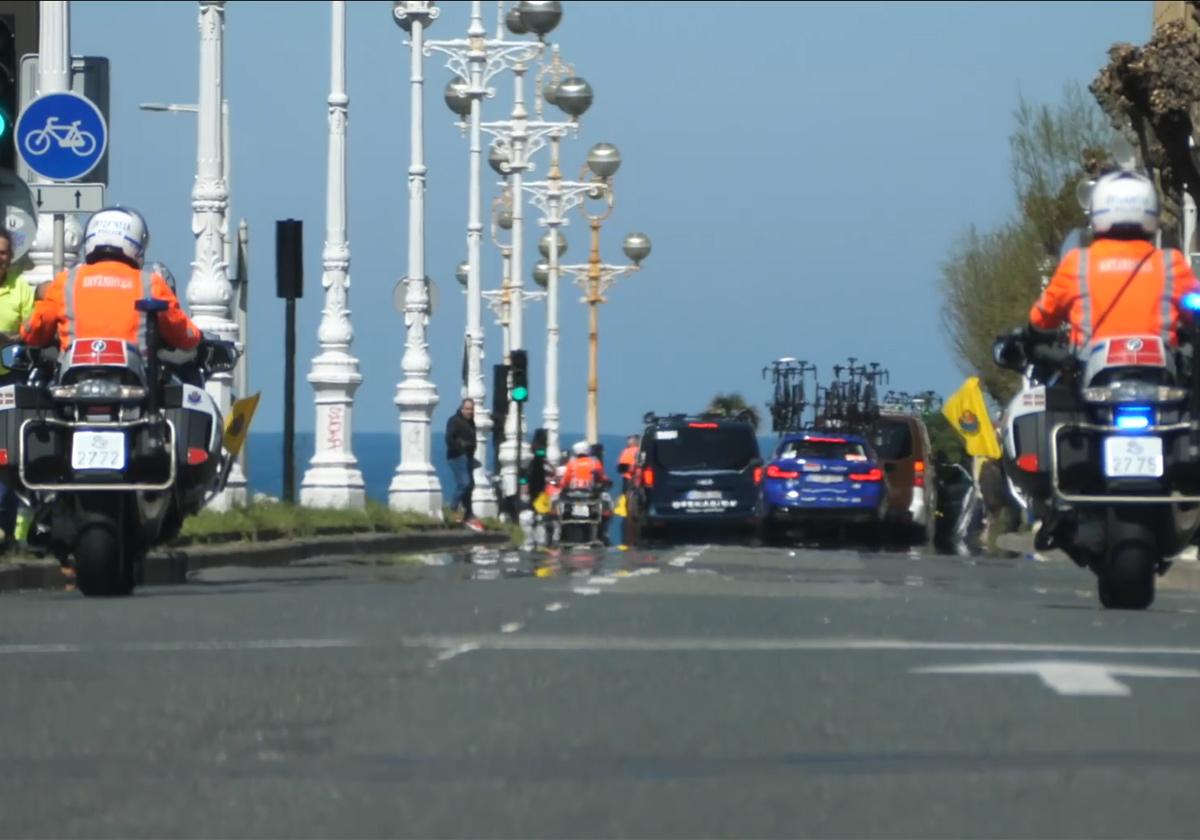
(462, 467)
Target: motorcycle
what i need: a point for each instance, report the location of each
(113, 450)
(1104, 446)
(578, 518)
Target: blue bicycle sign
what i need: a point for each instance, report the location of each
(72, 137)
(61, 136)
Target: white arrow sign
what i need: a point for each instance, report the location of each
(1093, 679)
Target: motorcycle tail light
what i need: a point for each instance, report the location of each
(196, 456)
(1028, 462)
(3, 457)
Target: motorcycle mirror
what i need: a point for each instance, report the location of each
(15, 357)
(221, 356)
(1083, 193)
(1009, 354)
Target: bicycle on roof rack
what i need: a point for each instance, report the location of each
(790, 399)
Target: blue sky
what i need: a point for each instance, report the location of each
(801, 168)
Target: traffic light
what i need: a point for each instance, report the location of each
(520, 375)
(499, 392)
(539, 443)
(9, 73)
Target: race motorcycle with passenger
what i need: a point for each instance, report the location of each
(1104, 437)
(113, 448)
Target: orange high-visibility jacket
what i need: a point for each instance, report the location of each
(628, 456)
(97, 301)
(1088, 281)
(583, 472)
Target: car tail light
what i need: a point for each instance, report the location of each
(648, 477)
(702, 425)
(758, 471)
(1028, 462)
(773, 471)
(825, 439)
(919, 474)
(196, 456)
(874, 475)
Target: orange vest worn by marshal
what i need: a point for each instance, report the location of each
(97, 301)
(1086, 291)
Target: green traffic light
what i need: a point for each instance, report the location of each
(5, 123)
(520, 394)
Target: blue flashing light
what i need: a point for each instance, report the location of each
(1191, 302)
(1134, 418)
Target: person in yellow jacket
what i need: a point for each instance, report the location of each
(17, 300)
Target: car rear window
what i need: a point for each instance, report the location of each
(705, 448)
(828, 449)
(895, 440)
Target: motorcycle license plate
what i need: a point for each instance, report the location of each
(98, 451)
(1133, 457)
(581, 511)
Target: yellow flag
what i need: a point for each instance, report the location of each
(238, 424)
(621, 509)
(968, 414)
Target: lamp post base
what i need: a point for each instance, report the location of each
(415, 485)
(339, 488)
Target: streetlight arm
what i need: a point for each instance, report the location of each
(609, 274)
(501, 56)
(570, 194)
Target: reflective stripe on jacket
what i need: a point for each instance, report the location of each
(97, 301)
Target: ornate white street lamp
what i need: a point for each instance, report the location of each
(209, 292)
(415, 485)
(333, 479)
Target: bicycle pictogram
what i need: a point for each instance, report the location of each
(67, 136)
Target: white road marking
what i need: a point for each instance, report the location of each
(456, 650)
(555, 607)
(680, 562)
(586, 590)
(1089, 679)
(752, 645)
(511, 627)
(603, 580)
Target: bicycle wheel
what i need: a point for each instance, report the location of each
(87, 144)
(37, 143)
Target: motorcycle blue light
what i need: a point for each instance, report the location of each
(1191, 302)
(1133, 418)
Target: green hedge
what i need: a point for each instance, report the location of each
(272, 521)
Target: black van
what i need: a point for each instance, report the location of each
(693, 473)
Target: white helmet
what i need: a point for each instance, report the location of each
(117, 232)
(1124, 200)
(581, 448)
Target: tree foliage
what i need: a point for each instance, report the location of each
(990, 279)
(1149, 94)
(731, 405)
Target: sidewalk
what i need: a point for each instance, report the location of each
(173, 565)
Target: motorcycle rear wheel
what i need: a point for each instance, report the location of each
(1127, 581)
(100, 570)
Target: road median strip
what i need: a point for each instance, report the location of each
(262, 536)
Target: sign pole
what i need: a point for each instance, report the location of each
(60, 235)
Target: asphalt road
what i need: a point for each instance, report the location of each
(700, 691)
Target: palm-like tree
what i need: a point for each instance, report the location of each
(731, 405)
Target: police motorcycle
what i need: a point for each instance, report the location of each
(578, 517)
(1104, 443)
(112, 450)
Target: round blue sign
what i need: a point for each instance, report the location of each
(61, 136)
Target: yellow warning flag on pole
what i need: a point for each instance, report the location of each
(238, 424)
(968, 414)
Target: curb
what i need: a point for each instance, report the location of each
(173, 565)
(1184, 573)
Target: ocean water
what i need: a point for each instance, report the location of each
(378, 455)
